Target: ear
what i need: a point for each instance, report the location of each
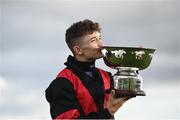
(77, 50)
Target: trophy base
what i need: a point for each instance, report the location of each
(127, 82)
(140, 93)
(125, 93)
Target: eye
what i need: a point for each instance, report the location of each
(93, 40)
(100, 38)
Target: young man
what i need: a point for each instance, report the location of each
(81, 90)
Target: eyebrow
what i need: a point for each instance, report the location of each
(95, 37)
(92, 38)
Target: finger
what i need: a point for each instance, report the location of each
(123, 99)
(113, 92)
(126, 98)
(119, 101)
(129, 97)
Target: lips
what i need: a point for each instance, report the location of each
(100, 50)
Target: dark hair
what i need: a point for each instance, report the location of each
(80, 29)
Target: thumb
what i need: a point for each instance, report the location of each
(113, 93)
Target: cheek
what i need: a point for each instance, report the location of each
(91, 46)
(95, 45)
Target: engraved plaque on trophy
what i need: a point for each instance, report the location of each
(128, 61)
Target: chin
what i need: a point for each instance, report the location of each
(98, 57)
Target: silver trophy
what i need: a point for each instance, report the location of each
(128, 61)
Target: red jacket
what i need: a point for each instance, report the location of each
(74, 95)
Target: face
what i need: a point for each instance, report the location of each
(90, 47)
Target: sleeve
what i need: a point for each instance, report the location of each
(98, 115)
(61, 96)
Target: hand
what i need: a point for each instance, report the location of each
(114, 103)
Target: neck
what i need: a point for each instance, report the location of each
(82, 59)
(85, 64)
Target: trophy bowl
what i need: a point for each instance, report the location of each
(127, 57)
(128, 61)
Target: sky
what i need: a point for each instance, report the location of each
(33, 51)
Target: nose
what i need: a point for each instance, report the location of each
(100, 43)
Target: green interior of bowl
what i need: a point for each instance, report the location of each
(127, 56)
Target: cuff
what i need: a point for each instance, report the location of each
(108, 114)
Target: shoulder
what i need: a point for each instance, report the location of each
(65, 72)
(68, 74)
(60, 80)
(58, 87)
